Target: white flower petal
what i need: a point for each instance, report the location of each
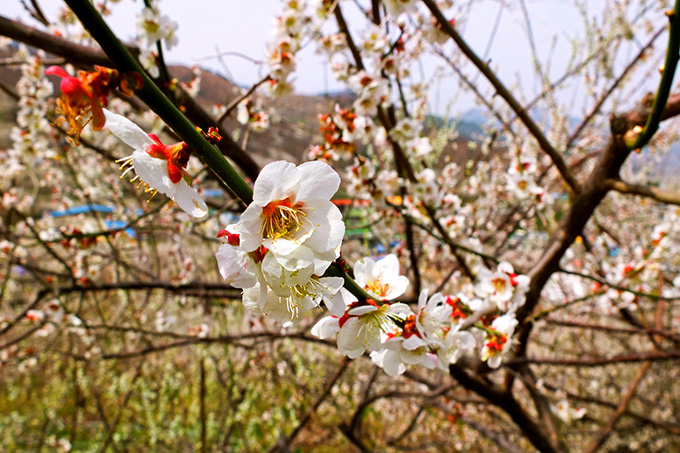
(387, 266)
(326, 327)
(127, 131)
(250, 226)
(317, 180)
(154, 172)
(359, 311)
(333, 296)
(413, 342)
(234, 267)
(277, 181)
(329, 229)
(254, 298)
(392, 364)
(189, 200)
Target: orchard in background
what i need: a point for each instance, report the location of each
(189, 264)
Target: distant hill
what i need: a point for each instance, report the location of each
(296, 126)
(290, 134)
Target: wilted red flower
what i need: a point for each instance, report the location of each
(83, 97)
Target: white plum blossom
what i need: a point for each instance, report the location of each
(498, 340)
(364, 325)
(433, 314)
(159, 167)
(237, 267)
(381, 278)
(503, 287)
(455, 344)
(326, 327)
(398, 353)
(304, 298)
(375, 40)
(566, 413)
(284, 242)
(291, 207)
(153, 27)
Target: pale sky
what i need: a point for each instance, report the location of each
(245, 27)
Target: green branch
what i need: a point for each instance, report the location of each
(157, 101)
(659, 104)
(152, 96)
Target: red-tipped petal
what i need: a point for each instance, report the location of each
(157, 152)
(98, 118)
(57, 71)
(174, 173)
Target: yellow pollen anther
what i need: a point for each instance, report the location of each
(282, 219)
(377, 287)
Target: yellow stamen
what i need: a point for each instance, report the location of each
(281, 219)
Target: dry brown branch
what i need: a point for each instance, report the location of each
(502, 91)
(87, 56)
(607, 430)
(652, 356)
(284, 443)
(642, 190)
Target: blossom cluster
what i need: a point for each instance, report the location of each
(152, 28)
(281, 54)
(438, 332)
(250, 112)
(31, 144)
(285, 241)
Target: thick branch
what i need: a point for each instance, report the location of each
(505, 401)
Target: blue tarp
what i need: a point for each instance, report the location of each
(83, 209)
(110, 224)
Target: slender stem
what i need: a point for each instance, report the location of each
(157, 101)
(162, 67)
(659, 104)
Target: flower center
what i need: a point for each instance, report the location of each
(496, 344)
(127, 162)
(458, 309)
(499, 284)
(282, 219)
(377, 287)
(410, 327)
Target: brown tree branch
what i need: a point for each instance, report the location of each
(624, 330)
(284, 443)
(502, 91)
(607, 430)
(85, 56)
(652, 356)
(505, 401)
(643, 190)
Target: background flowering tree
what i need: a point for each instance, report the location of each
(401, 285)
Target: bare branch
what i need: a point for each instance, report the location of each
(654, 193)
(520, 111)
